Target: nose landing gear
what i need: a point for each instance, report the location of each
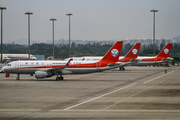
(18, 77)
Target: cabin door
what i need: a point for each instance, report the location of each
(98, 65)
(17, 65)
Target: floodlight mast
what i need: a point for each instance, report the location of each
(2, 8)
(69, 14)
(154, 31)
(29, 13)
(53, 19)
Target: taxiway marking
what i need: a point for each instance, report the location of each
(99, 97)
(19, 110)
(157, 77)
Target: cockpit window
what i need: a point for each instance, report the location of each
(8, 64)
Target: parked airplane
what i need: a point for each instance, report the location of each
(44, 69)
(162, 57)
(129, 59)
(18, 56)
(5, 58)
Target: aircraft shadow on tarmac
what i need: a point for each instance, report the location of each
(67, 80)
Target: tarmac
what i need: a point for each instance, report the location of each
(138, 93)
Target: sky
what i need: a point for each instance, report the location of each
(91, 19)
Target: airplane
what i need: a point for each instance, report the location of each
(162, 57)
(44, 69)
(5, 58)
(129, 59)
(18, 57)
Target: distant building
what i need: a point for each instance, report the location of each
(143, 41)
(176, 39)
(147, 41)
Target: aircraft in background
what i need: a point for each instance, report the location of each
(129, 59)
(44, 69)
(162, 57)
(5, 58)
(18, 57)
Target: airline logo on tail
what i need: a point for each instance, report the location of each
(166, 51)
(114, 52)
(134, 51)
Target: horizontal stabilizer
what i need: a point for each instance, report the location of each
(135, 61)
(116, 64)
(168, 59)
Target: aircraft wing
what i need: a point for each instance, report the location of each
(168, 59)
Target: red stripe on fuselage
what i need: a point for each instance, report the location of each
(153, 59)
(88, 65)
(18, 57)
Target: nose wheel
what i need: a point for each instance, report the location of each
(18, 77)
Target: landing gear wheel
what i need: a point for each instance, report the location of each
(57, 78)
(121, 68)
(61, 78)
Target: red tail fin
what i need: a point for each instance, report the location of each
(113, 54)
(165, 51)
(133, 53)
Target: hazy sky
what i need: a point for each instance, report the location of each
(91, 20)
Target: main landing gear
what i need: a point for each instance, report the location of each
(18, 77)
(59, 78)
(121, 68)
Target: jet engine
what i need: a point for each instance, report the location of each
(42, 74)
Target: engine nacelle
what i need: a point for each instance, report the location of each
(41, 74)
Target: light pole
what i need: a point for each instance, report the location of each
(154, 31)
(69, 14)
(2, 8)
(29, 13)
(53, 33)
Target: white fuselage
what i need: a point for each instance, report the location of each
(18, 56)
(75, 67)
(147, 60)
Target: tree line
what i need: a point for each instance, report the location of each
(95, 49)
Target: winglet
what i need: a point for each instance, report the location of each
(67, 64)
(165, 51)
(113, 54)
(133, 53)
